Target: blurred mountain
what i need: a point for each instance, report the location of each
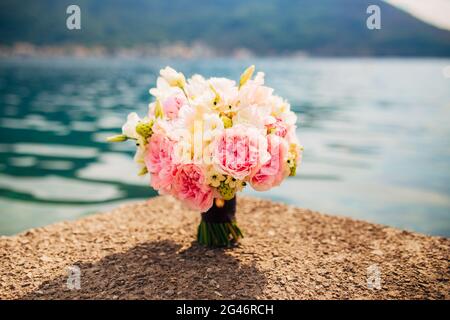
(318, 27)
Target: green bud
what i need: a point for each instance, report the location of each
(227, 123)
(217, 99)
(246, 75)
(117, 138)
(144, 129)
(158, 110)
(226, 192)
(293, 170)
(143, 171)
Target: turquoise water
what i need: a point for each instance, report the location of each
(376, 136)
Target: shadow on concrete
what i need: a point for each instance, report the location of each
(159, 270)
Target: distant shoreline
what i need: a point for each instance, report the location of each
(173, 51)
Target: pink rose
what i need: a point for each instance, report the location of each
(190, 186)
(159, 162)
(240, 150)
(172, 105)
(275, 170)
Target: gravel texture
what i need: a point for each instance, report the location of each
(146, 250)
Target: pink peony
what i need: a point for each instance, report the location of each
(275, 170)
(240, 150)
(159, 162)
(190, 186)
(172, 105)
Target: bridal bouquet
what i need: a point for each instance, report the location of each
(204, 140)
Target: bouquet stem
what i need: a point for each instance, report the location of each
(218, 227)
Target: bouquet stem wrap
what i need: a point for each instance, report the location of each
(218, 227)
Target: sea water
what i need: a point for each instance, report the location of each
(376, 135)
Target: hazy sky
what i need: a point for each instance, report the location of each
(436, 12)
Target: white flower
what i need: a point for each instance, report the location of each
(164, 90)
(183, 150)
(253, 116)
(200, 93)
(259, 79)
(254, 94)
(212, 126)
(282, 110)
(289, 117)
(195, 125)
(197, 87)
(139, 156)
(129, 128)
(164, 127)
(199, 118)
(213, 177)
(186, 118)
(279, 106)
(291, 135)
(240, 185)
(227, 92)
(175, 79)
(231, 182)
